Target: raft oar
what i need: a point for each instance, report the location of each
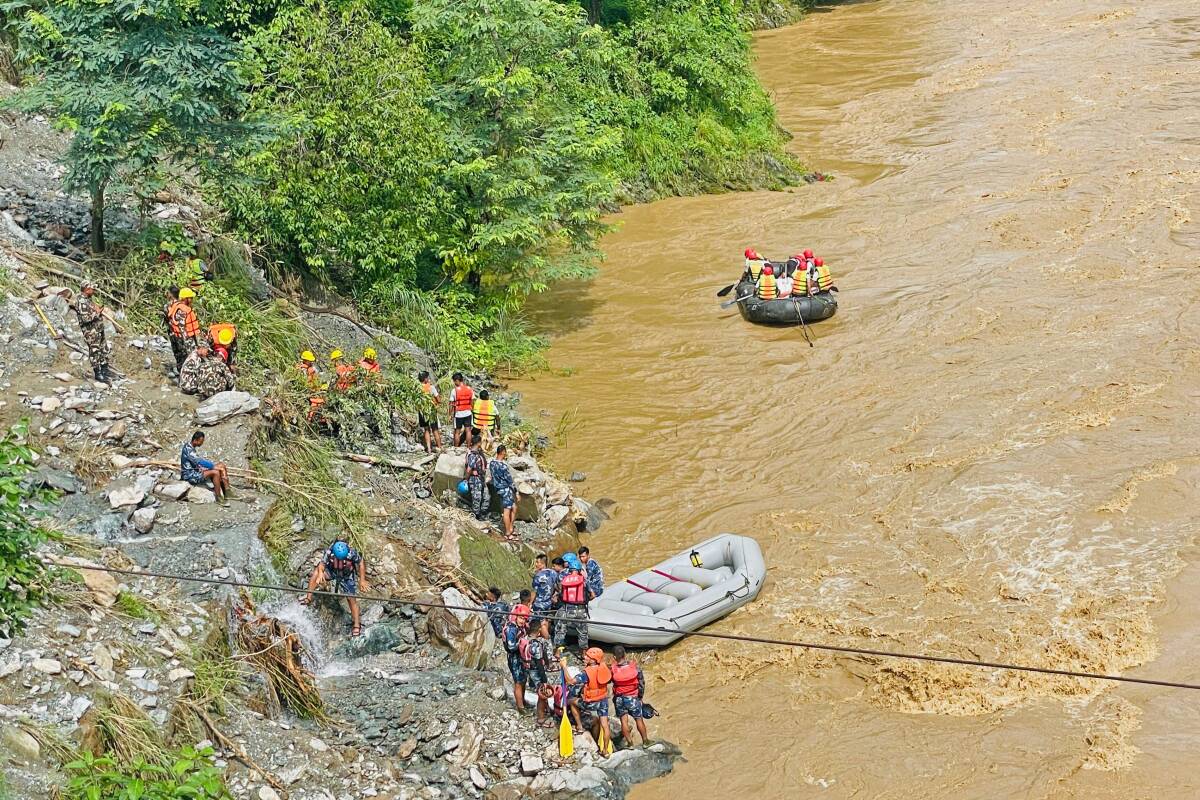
(803, 324)
(726, 290)
(728, 303)
(566, 736)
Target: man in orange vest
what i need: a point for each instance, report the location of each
(462, 400)
(184, 325)
(345, 372)
(629, 685)
(596, 677)
(223, 339)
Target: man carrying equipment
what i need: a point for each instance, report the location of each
(345, 569)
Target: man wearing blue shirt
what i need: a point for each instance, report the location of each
(545, 584)
(592, 571)
(199, 471)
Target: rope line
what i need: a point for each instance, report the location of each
(732, 637)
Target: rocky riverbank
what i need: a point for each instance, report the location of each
(415, 707)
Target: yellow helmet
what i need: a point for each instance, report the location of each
(225, 336)
(335, 355)
(186, 293)
(369, 352)
(308, 356)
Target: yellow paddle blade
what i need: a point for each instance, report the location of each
(566, 737)
(606, 745)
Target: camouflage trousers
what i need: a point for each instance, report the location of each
(479, 497)
(93, 337)
(571, 617)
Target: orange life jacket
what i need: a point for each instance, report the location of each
(214, 332)
(598, 678)
(463, 396)
(625, 679)
(370, 366)
(766, 287)
(345, 376)
(573, 589)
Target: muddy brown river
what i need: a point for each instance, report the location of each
(992, 451)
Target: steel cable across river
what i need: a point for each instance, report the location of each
(992, 450)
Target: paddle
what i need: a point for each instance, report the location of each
(803, 324)
(729, 303)
(566, 736)
(726, 290)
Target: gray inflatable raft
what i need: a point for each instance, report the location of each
(822, 305)
(682, 593)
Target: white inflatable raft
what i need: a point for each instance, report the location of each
(683, 593)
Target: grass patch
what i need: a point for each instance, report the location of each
(122, 730)
(316, 494)
(490, 563)
(133, 606)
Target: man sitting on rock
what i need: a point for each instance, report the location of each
(345, 569)
(199, 472)
(204, 374)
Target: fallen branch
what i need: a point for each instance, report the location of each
(415, 466)
(40, 265)
(231, 745)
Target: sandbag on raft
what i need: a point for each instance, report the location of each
(682, 593)
(822, 305)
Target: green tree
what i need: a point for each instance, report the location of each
(142, 86)
(351, 193)
(529, 168)
(22, 584)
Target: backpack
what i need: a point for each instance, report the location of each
(512, 638)
(523, 649)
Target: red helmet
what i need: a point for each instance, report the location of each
(796, 257)
(768, 271)
(819, 262)
(750, 253)
(808, 254)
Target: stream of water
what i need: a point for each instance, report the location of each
(992, 450)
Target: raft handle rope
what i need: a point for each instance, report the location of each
(731, 637)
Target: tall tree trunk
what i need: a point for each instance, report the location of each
(98, 220)
(595, 9)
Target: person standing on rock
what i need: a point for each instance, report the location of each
(91, 325)
(462, 400)
(506, 489)
(199, 472)
(514, 632)
(545, 586)
(574, 594)
(184, 326)
(177, 348)
(497, 610)
(427, 418)
(347, 571)
(629, 686)
(484, 417)
(477, 479)
(592, 572)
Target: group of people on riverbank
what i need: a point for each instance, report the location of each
(339, 374)
(205, 359)
(802, 275)
(472, 414)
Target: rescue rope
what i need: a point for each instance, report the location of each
(731, 637)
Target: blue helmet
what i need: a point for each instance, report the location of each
(340, 550)
(572, 561)
(463, 488)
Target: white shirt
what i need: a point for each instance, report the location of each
(783, 286)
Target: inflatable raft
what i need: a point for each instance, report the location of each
(683, 593)
(822, 305)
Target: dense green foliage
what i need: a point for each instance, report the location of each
(141, 84)
(22, 576)
(190, 775)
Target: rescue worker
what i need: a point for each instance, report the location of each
(204, 374)
(484, 417)
(545, 585)
(765, 288)
(514, 631)
(222, 337)
(754, 264)
(176, 343)
(91, 325)
(184, 326)
(819, 278)
(592, 571)
(541, 663)
(497, 610)
(343, 371)
(629, 686)
(427, 419)
(369, 362)
(477, 478)
(565, 698)
(312, 378)
(199, 472)
(595, 679)
(345, 568)
(462, 400)
(506, 490)
(573, 595)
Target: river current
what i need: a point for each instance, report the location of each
(992, 450)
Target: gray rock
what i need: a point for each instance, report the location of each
(557, 516)
(125, 496)
(143, 519)
(201, 495)
(20, 743)
(11, 230)
(477, 779)
(385, 637)
(50, 405)
(57, 479)
(593, 516)
(578, 477)
(224, 405)
(117, 431)
(531, 764)
(79, 707)
(47, 665)
(69, 630)
(175, 490)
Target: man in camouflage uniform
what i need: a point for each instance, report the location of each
(91, 324)
(204, 374)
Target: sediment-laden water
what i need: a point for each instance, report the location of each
(991, 452)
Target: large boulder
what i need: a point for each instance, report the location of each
(224, 405)
(466, 634)
(531, 501)
(451, 467)
(490, 562)
(588, 517)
